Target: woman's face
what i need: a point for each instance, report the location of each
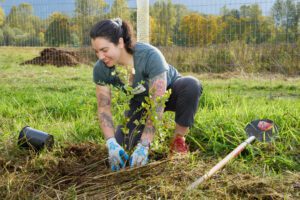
(107, 51)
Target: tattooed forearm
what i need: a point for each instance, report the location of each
(103, 94)
(106, 120)
(158, 84)
(160, 109)
(149, 130)
(104, 101)
(148, 133)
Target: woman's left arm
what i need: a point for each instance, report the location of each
(158, 87)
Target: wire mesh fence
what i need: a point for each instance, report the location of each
(194, 35)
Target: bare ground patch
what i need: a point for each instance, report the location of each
(82, 171)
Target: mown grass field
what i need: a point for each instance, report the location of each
(62, 102)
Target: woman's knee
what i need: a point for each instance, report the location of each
(194, 85)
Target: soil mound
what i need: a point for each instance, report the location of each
(52, 56)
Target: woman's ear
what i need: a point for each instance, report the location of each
(121, 42)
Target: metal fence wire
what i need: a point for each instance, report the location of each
(194, 35)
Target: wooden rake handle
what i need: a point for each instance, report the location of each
(221, 164)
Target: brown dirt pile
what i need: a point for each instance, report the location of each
(52, 56)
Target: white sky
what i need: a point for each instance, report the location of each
(43, 8)
(214, 6)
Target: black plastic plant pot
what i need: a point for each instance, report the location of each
(35, 139)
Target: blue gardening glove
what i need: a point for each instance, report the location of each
(117, 155)
(139, 156)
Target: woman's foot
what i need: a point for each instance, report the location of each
(178, 145)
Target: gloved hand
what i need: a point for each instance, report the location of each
(139, 156)
(117, 155)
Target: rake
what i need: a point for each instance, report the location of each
(263, 130)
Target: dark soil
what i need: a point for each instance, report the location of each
(52, 56)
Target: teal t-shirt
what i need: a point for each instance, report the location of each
(148, 63)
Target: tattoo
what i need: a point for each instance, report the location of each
(159, 109)
(106, 120)
(149, 130)
(159, 84)
(160, 87)
(104, 101)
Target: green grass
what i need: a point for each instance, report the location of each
(228, 105)
(62, 102)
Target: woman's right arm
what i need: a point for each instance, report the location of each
(103, 94)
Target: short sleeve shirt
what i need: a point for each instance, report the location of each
(148, 63)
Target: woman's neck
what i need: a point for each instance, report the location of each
(126, 59)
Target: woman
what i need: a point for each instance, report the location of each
(113, 43)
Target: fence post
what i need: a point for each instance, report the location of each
(142, 20)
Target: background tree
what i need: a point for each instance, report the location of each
(13, 18)
(87, 13)
(120, 9)
(163, 12)
(267, 29)
(286, 18)
(199, 30)
(152, 25)
(8, 36)
(246, 24)
(41, 37)
(231, 25)
(2, 17)
(180, 12)
(58, 32)
(1, 37)
(21, 17)
(231, 29)
(253, 19)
